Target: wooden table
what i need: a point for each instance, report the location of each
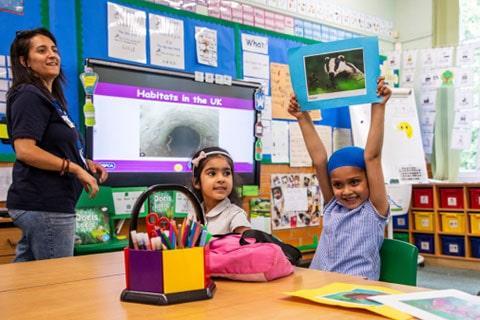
(89, 287)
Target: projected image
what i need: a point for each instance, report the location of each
(177, 132)
(335, 74)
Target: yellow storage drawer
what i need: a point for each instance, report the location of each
(475, 223)
(453, 222)
(424, 221)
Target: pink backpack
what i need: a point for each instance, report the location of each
(249, 262)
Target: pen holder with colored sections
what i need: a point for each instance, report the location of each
(166, 276)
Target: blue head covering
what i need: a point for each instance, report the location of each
(348, 156)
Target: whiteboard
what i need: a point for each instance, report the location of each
(403, 158)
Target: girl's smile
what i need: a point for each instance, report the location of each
(349, 186)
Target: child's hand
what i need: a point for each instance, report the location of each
(383, 90)
(294, 109)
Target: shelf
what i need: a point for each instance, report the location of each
(473, 210)
(422, 209)
(120, 216)
(400, 230)
(452, 233)
(462, 210)
(111, 245)
(420, 231)
(473, 235)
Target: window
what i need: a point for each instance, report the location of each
(470, 34)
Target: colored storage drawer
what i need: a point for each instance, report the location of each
(402, 236)
(424, 243)
(474, 198)
(475, 245)
(422, 197)
(453, 222)
(475, 223)
(423, 221)
(400, 222)
(453, 246)
(451, 198)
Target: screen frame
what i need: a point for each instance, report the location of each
(129, 179)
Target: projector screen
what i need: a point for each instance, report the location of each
(149, 122)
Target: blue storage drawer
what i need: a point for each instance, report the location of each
(475, 244)
(400, 222)
(424, 242)
(453, 246)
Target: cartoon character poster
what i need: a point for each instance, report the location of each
(296, 200)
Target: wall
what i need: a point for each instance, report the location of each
(413, 20)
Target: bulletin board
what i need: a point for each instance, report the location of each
(34, 14)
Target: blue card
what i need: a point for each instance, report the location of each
(335, 74)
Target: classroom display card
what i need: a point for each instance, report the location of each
(166, 42)
(124, 199)
(435, 305)
(260, 216)
(206, 46)
(296, 201)
(352, 296)
(127, 34)
(335, 74)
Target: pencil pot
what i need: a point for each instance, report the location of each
(166, 276)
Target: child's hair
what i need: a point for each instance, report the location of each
(198, 162)
(348, 156)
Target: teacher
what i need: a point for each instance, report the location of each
(50, 168)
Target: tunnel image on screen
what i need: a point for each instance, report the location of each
(185, 131)
(153, 121)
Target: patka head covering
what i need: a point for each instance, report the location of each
(348, 156)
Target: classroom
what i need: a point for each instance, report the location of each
(223, 159)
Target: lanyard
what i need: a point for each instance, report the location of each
(64, 115)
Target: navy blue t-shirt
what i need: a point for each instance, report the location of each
(30, 114)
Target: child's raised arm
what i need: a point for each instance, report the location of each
(373, 151)
(315, 147)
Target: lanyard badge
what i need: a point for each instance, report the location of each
(64, 115)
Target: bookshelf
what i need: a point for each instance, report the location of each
(443, 221)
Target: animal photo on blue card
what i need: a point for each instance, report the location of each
(335, 74)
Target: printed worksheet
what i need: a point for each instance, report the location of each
(166, 42)
(127, 34)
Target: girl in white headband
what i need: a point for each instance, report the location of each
(213, 184)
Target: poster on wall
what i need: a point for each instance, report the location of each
(402, 154)
(295, 200)
(126, 33)
(281, 87)
(335, 74)
(206, 46)
(166, 42)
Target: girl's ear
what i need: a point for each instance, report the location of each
(22, 61)
(196, 184)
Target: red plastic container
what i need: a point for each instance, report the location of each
(451, 198)
(474, 195)
(422, 197)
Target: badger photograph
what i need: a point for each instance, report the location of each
(335, 74)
